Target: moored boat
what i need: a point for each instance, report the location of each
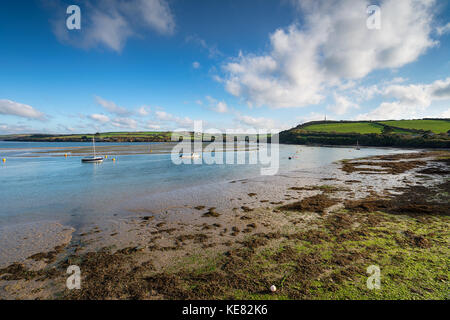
(94, 158)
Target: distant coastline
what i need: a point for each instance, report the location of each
(420, 133)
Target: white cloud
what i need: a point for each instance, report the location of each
(212, 49)
(110, 23)
(196, 65)
(413, 94)
(364, 93)
(313, 116)
(144, 111)
(221, 107)
(342, 105)
(11, 129)
(164, 116)
(99, 117)
(391, 111)
(155, 14)
(409, 100)
(217, 106)
(124, 123)
(183, 122)
(111, 106)
(331, 46)
(446, 114)
(152, 126)
(443, 29)
(256, 122)
(12, 108)
(440, 89)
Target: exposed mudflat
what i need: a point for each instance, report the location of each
(312, 233)
(24, 240)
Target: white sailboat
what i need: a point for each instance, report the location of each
(94, 158)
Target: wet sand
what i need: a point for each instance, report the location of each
(24, 240)
(214, 238)
(112, 150)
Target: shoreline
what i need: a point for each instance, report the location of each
(170, 249)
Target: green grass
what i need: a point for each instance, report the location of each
(437, 126)
(358, 127)
(407, 271)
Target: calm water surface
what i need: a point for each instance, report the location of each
(45, 187)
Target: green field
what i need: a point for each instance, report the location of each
(359, 127)
(437, 126)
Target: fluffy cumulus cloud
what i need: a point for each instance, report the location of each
(342, 105)
(110, 23)
(331, 46)
(408, 101)
(12, 108)
(217, 106)
(221, 107)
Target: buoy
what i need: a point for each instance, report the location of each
(151, 150)
(4, 159)
(114, 159)
(65, 155)
(273, 288)
(106, 157)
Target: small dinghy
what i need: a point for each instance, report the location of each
(93, 159)
(191, 156)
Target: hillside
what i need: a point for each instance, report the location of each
(421, 133)
(145, 136)
(100, 137)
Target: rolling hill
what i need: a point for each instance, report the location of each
(421, 133)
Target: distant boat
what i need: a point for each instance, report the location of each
(93, 159)
(193, 155)
(357, 145)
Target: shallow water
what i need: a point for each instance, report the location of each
(49, 187)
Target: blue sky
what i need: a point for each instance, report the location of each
(160, 64)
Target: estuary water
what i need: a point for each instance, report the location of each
(42, 186)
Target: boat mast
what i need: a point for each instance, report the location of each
(93, 142)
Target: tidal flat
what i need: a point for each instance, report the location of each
(312, 233)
